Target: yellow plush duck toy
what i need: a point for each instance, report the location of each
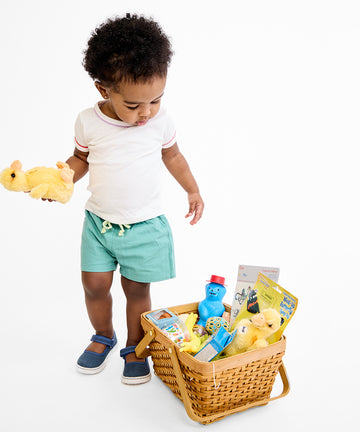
(252, 334)
(48, 183)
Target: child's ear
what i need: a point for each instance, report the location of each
(102, 89)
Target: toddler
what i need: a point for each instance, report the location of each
(122, 141)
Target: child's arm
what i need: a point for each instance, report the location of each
(179, 168)
(78, 162)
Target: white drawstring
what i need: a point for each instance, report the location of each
(122, 230)
(107, 225)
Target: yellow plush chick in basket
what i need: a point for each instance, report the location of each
(48, 183)
(252, 334)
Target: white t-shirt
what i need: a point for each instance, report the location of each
(125, 164)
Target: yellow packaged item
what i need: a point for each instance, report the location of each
(268, 294)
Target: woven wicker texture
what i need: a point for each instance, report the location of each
(216, 389)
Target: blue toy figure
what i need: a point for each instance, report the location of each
(212, 305)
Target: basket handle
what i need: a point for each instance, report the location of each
(208, 419)
(142, 349)
(285, 381)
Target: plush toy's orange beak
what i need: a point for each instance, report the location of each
(258, 320)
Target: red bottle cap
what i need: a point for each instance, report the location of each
(217, 279)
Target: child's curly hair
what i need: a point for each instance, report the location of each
(130, 48)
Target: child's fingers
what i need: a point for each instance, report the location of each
(198, 214)
(44, 199)
(192, 208)
(195, 209)
(190, 212)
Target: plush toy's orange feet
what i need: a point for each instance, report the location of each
(67, 174)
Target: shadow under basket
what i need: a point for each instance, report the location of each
(212, 390)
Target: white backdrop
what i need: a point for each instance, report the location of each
(265, 95)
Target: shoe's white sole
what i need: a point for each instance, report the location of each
(135, 380)
(93, 371)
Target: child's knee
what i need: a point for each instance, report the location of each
(97, 285)
(135, 290)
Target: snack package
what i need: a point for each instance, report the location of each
(268, 294)
(247, 276)
(162, 318)
(171, 325)
(177, 332)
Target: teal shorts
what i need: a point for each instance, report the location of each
(144, 250)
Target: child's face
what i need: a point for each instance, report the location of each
(133, 103)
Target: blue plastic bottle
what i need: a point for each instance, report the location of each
(212, 305)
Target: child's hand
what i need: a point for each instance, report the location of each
(196, 207)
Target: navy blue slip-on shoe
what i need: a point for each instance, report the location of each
(134, 372)
(91, 362)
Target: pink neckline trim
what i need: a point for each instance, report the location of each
(103, 117)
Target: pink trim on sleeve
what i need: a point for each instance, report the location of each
(164, 145)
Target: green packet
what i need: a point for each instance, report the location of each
(268, 294)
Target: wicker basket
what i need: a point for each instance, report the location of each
(211, 391)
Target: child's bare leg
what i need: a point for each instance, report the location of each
(99, 305)
(138, 301)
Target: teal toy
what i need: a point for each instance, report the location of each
(212, 306)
